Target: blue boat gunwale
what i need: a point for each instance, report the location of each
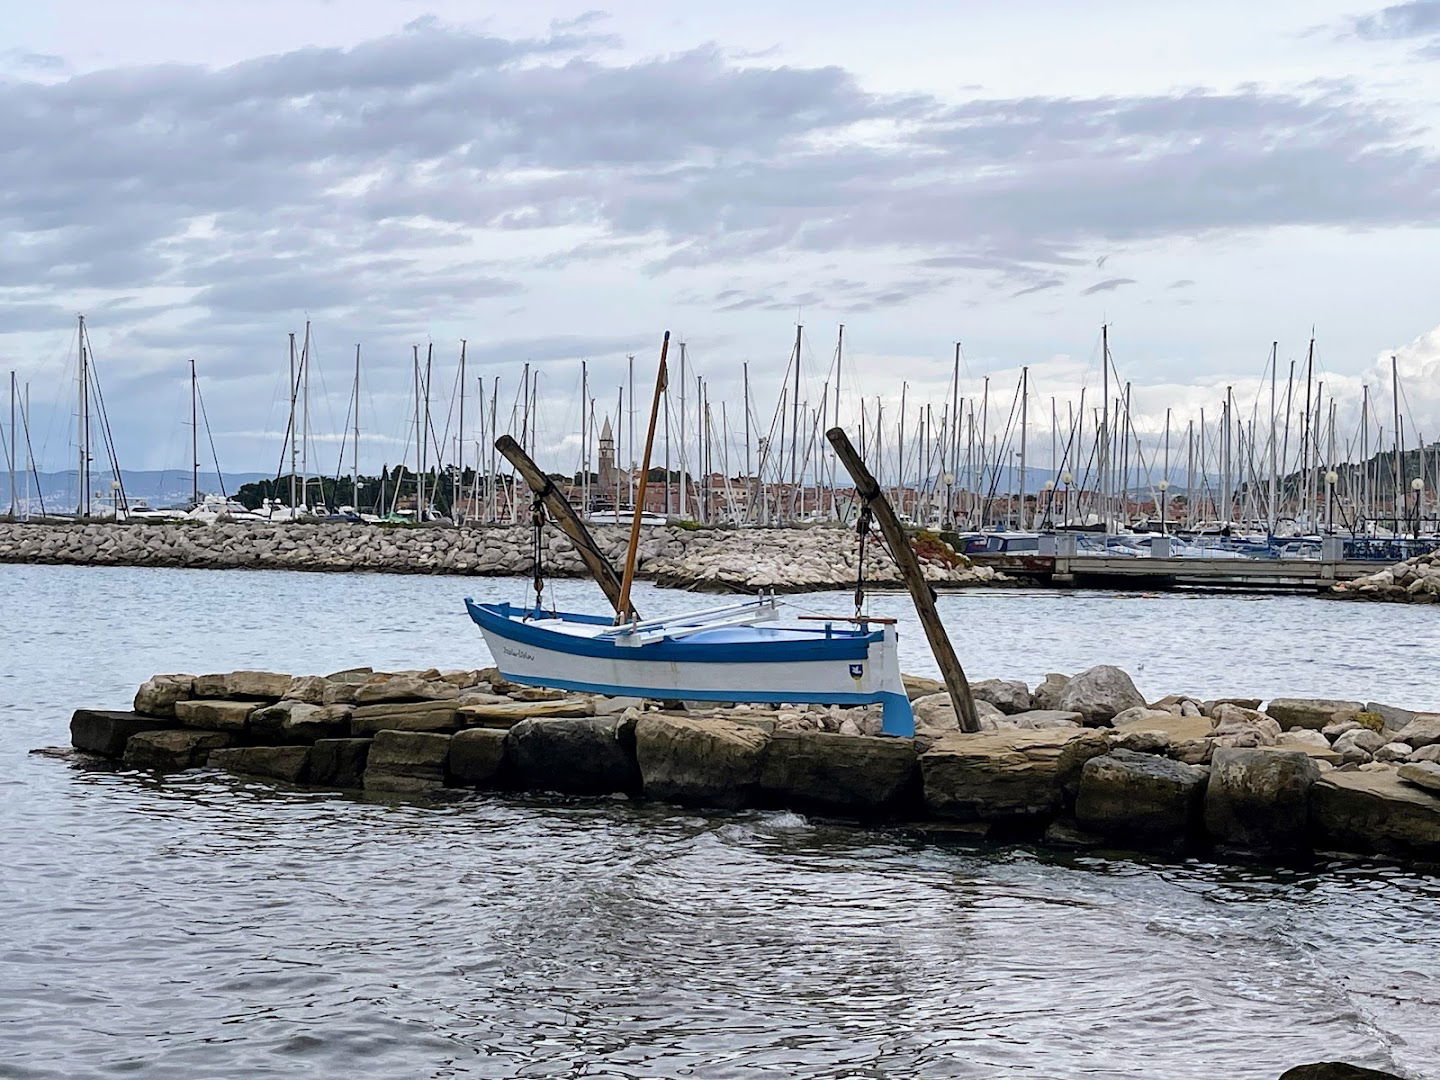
(839, 644)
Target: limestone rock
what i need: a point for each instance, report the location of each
(293, 721)
(1425, 774)
(1259, 800)
(477, 756)
(706, 760)
(432, 716)
(1309, 742)
(1037, 719)
(1424, 730)
(214, 715)
(1007, 695)
(584, 755)
(1209, 707)
(510, 713)
(308, 688)
(857, 775)
(1358, 745)
(918, 686)
(339, 762)
(172, 751)
(404, 686)
(260, 685)
(1005, 775)
(1427, 753)
(1099, 693)
(1394, 751)
(157, 695)
(935, 713)
(1335, 1070)
(1392, 719)
(1047, 694)
(286, 763)
(1312, 712)
(100, 731)
(1177, 728)
(407, 762)
(1144, 800)
(1368, 812)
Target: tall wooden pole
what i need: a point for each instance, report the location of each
(623, 610)
(565, 517)
(920, 591)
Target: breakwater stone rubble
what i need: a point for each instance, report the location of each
(1078, 761)
(728, 560)
(1414, 581)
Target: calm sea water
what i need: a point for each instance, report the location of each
(203, 926)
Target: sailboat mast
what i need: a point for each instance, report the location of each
(834, 462)
(419, 483)
(1399, 474)
(294, 447)
(795, 416)
(1024, 434)
(623, 610)
(11, 458)
(355, 444)
(305, 415)
(459, 485)
(82, 434)
(194, 442)
(1273, 508)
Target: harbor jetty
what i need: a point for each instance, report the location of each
(1414, 581)
(715, 559)
(1077, 761)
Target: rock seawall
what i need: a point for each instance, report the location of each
(1176, 775)
(740, 560)
(1414, 581)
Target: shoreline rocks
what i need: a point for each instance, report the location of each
(1414, 581)
(1175, 775)
(788, 560)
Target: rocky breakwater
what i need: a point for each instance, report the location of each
(1079, 760)
(747, 560)
(1414, 581)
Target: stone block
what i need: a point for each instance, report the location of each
(292, 721)
(339, 762)
(1368, 812)
(172, 751)
(1315, 713)
(506, 713)
(215, 715)
(477, 756)
(433, 716)
(1099, 693)
(583, 755)
(695, 759)
(855, 775)
(1007, 695)
(405, 687)
(1423, 774)
(286, 763)
(259, 685)
(1258, 800)
(103, 732)
(157, 695)
(407, 762)
(1141, 800)
(1006, 775)
(1423, 730)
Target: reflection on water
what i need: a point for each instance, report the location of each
(202, 925)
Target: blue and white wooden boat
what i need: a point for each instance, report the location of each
(722, 654)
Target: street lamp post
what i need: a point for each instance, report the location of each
(1418, 486)
(949, 479)
(1331, 479)
(1164, 498)
(1067, 479)
(1049, 489)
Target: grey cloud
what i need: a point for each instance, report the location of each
(1182, 283)
(1417, 18)
(25, 60)
(1042, 286)
(1108, 285)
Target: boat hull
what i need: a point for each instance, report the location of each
(853, 669)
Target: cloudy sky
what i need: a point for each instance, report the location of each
(555, 184)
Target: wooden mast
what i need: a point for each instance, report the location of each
(868, 489)
(565, 517)
(623, 610)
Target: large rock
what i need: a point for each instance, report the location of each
(1035, 719)
(1309, 742)
(1424, 730)
(407, 762)
(477, 756)
(1358, 745)
(1100, 692)
(1005, 775)
(935, 714)
(1007, 695)
(1425, 774)
(1047, 694)
(339, 762)
(1178, 728)
(100, 731)
(1335, 1070)
(699, 759)
(585, 755)
(159, 693)
(505, 713)
(433, 716)
(260, 685)
(405, 686)
(286, 763)
(308, 688)
(1367, 812)
(917, 686)
(855, 775)
(1392, 718)
(1313, 713)
(1259, 800)
(291, 721)
(172, 751)
(1141, 799)
(216, 715)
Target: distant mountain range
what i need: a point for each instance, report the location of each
(158, 487)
